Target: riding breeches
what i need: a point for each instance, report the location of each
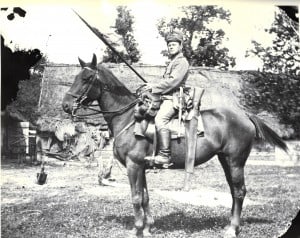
(165, 114)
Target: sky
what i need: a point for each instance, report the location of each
(56, 30)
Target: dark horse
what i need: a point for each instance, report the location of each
(228, 134)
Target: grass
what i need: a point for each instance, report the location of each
(72, 204)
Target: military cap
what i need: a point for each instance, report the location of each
(175, 35)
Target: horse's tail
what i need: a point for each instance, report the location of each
(267, 134)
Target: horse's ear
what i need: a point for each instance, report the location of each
(82, 63)
(94, 61)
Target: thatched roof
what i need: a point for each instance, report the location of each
(58, 78)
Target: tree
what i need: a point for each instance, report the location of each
(16, 68)
(284, 54)
(202, 46)
(277, 93)
(124, 28)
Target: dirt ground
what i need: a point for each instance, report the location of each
(73, 204)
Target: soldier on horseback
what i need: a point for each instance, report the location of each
(174, 77)
(230, 134)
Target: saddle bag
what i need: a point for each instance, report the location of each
(148, 106)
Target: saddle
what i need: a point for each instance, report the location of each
(185, 102)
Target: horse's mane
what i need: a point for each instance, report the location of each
(112, 82)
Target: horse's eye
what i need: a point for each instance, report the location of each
(86, 76)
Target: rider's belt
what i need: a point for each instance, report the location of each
(170, 95)
(167, 97)
(175, 93)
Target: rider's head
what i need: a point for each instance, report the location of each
(174, 42)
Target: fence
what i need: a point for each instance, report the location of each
(19, 141)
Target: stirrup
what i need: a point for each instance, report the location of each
(162, 159)
(153, 162)
(166, 166)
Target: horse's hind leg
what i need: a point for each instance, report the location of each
(234, 172)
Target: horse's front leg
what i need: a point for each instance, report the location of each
(136, 175)
(149, 221)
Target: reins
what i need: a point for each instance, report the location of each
(98, 111)
(80, 98)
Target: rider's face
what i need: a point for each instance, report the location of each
(174, 47)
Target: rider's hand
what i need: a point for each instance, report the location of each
(148, 86)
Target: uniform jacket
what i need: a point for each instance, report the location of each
(175, 76)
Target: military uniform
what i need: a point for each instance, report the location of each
(174, 77)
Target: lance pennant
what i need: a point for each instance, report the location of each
(102, 38)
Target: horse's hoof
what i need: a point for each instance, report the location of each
(186, 188)
(132, 233)
(136, 233)
(147, 233)
(230, 233)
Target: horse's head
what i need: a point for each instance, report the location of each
(85, 88)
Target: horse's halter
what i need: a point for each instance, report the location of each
(80, 98)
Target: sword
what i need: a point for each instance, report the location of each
(180, 110)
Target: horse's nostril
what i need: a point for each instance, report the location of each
(66, 107)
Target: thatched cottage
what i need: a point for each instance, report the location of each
(222, 88)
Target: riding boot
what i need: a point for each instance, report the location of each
(164, 152)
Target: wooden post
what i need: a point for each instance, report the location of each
(24, 125)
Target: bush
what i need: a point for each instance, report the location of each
(27, 99)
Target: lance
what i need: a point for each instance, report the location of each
(102, 38)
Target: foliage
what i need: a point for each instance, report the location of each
(27, 80)
(124, 28)
(27, 99)
(15, 67)
(39, 67)
(203, 45)
(275, 93)
(284, 55)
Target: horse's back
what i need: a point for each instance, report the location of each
(224, 119)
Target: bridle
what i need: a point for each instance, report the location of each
(80, 98)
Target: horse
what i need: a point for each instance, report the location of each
(228, 134)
